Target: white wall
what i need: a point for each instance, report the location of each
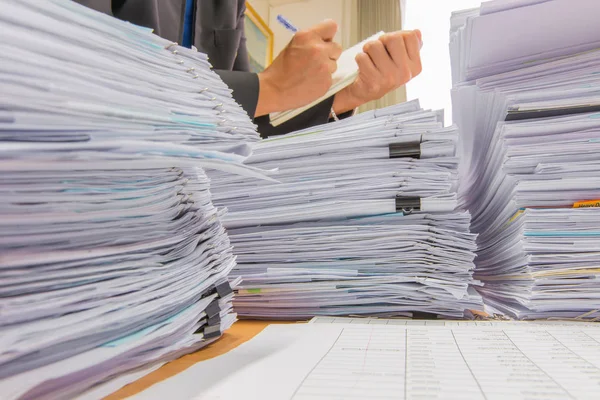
(302, 13)
(262, 8)
(432, 17)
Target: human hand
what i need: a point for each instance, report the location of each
(302, 71)
(385, 65)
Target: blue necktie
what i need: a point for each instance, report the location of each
(188, 24)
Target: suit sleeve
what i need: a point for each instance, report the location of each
(245, 87)
(104, 6)
(317, 115)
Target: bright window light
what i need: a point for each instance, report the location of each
(432, 17)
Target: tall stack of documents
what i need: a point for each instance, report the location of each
(113, 258)
(528, 107)
(363, 221)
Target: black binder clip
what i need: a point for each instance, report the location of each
(213, 309)
(223, 289)
(405, 150)
(211, 332)
(215, 320)
(408, 204)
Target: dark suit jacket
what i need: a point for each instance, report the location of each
(218, 32)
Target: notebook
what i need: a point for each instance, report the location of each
(345, 74)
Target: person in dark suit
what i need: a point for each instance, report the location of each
(300, 74)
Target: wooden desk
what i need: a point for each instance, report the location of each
(240, 332)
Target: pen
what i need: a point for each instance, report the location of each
(286, 24)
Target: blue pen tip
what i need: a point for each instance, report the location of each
(283, 21)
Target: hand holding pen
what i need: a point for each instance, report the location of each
(302, 72)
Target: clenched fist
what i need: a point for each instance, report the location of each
(302, 71)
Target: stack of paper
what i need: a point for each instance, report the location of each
(113, 258)
(375, 163)
(531, 154)
(529, 31)
(363, 221)
(111, 79)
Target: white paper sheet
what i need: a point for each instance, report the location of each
(447, 360)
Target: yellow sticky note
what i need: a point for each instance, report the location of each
(588, 203)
